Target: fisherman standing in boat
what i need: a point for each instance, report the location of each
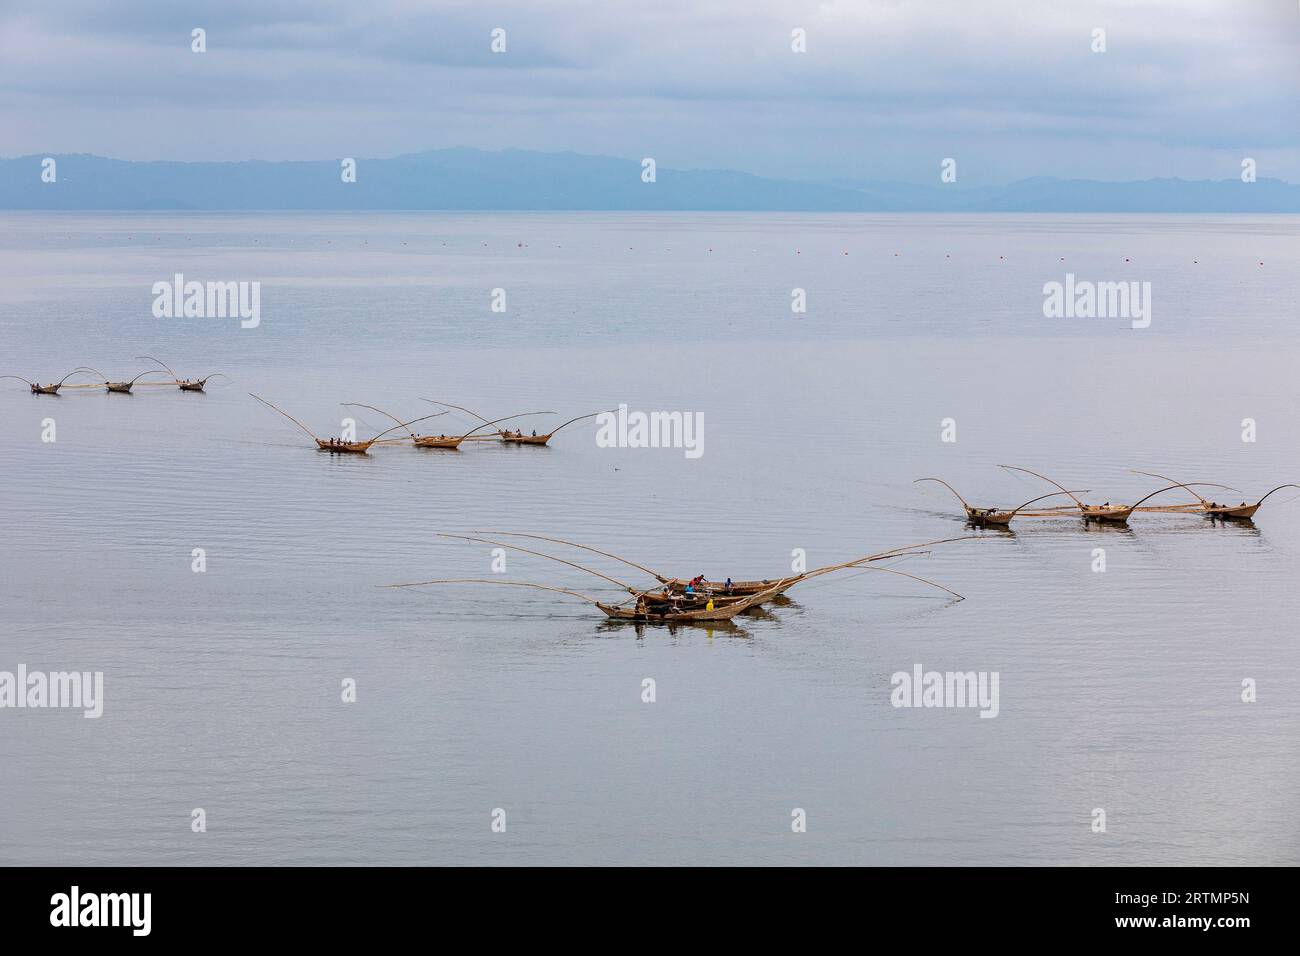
(728, 585)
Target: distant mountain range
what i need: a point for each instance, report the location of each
(471, 179)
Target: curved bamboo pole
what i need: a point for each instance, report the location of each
(916, 577)
(963, 501)
(1057, 484)
(288, 416)
(485, 422)
(152, 371)
(1172, 487)
(898, 552)
(387, 415)
(500, 420)
(578, 419)
(150, 358)
(517, 584)
(582, 547)
(514, 547)
(59, 384)
(1278, 488)
(405, 425)
(461, 408)
(1015, 511)
(79, 368)
(662, 579)
(1187, 485)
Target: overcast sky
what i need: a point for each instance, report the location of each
(886, 89)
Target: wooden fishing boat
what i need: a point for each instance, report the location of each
(123, 388)
(1241, 512)
(39, 389)
(184, 384)
(337, 446)
(713, 588)
(1103, 513)
(645, 611)
(1001, 518)
(664, 606)
(445, 442)
(519, 438)
(1213, 509)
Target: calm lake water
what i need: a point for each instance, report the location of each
(1118, 690)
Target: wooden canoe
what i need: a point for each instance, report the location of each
(1001, 518)
(344, 448)
(1117, 514)
(738, 588)
(511, 438)
(124, 388)
(668, 613)
(1212, 509)
(39, 389)
(519, 438)
(1241, 512)
(184, 384)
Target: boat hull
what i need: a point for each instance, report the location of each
(1107, 515)
(738, 588)
(662, 615)
(1240, 513)
(980, 518)
(526, 439)
(349, 448)
(449, 444)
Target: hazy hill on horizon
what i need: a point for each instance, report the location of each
(471, 179)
